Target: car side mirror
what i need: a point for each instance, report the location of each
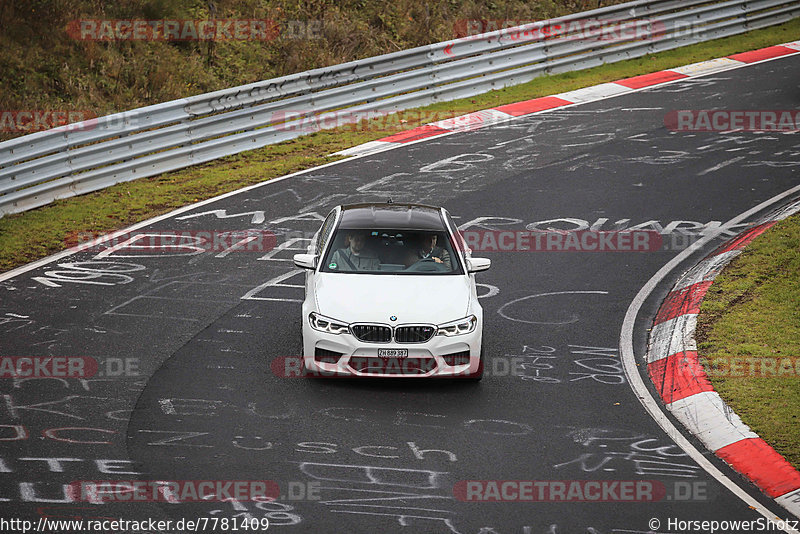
(305, 261)
(476, 265)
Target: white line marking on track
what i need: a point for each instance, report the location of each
(719, 166)
(571, 320)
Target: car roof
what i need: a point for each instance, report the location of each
(399, 216)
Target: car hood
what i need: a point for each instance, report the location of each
(432, 299)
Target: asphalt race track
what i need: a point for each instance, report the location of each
(384, 456)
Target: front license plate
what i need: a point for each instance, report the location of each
(392, 353)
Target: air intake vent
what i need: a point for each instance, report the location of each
(457, 358)
(326, 356)
(392, 366)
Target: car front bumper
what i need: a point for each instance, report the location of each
(359, 358)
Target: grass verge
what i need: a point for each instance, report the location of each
(751, 317)
(28, 236)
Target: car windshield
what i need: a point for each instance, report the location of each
(391, 251)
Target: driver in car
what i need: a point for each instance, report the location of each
(354, 257)
(429, 251)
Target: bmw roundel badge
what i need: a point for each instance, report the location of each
(393, 318)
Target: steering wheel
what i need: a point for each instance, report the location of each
(426, 265)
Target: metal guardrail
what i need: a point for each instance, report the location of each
(38, 168)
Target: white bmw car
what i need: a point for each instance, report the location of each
(390, 291)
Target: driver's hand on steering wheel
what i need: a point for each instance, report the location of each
(437, 260)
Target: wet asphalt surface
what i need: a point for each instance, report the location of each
(200, 400)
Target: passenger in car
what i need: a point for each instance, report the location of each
(429, 250)
(354, 257)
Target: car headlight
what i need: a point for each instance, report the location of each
(457, 328)
(326, 324)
